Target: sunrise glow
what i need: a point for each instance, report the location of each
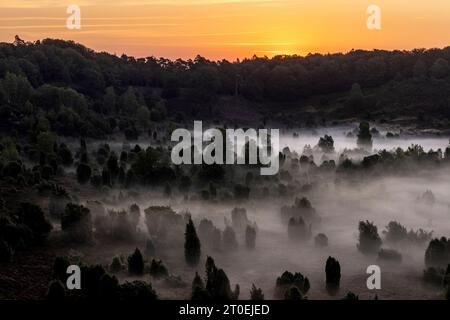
(230, 28)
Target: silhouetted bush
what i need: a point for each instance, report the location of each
(90, 280)
(364, 136)
(158, 269)
(137, 292)
(6, 252)
(84, 172)
(217, 284)
(209, 235)
(60, 266)
(333, 273)
(287, 280)
(438, 253)
(241, 192)
(149, 247)
(321, 240)
(136, 263)
(192, 249)
(369, 240)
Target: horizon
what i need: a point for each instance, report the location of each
(230, 29)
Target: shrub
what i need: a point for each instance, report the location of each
(65, 155)
(438, 253)
(12, 169)
(108, 287)
(158, 269)
(239, 218)
(76, 222)
(60, 269)
(6, 252)
(57, 203)
(288, 279)
(56, 291)
(250, 237)
(137, 291)
(293, 293)
(136, 263)
(298, 230)
(33, 217)
(199, 291)
(192, 249)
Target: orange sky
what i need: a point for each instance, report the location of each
(230, 28)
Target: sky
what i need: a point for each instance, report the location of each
(230, 29)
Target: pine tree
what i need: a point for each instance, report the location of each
(333, 273)
(136, 263)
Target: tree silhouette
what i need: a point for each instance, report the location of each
(369, 240)
(192, 249)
